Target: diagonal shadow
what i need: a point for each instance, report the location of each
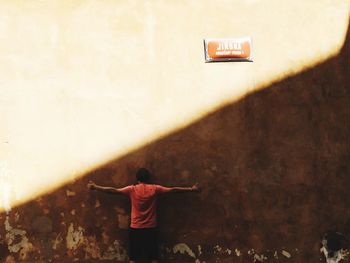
(274, 168)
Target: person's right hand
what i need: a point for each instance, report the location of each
(196, 188)
(91, 185)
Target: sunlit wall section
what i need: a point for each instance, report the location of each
(83, 82)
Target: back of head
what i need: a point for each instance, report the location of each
(143, 175)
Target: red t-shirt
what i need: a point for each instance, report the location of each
(143, 203)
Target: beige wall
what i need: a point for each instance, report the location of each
(83, 82)
(96, 89)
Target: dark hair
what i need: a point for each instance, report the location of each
(143, 175)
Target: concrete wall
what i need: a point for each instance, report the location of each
(273, 162)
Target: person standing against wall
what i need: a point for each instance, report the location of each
(143, 240)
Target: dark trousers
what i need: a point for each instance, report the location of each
(143, 244)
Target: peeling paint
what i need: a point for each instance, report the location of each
(251, 252)
(333, 247)
(199, 250)
(74, 237)
(337, 257)
(58, 240)
(23, 246)
(70, 193)
(217, 248)
(238, 253)
(286, 254)
(260, 258)
(115, 251)
(182, 248)
(91, 248)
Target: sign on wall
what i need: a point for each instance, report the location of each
(228, 49)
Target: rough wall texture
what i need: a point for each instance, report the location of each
(85, 82)
(274, 169)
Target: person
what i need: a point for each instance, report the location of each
(143, 227)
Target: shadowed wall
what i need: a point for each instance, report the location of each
(274, 168)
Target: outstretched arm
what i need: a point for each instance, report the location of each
(194, 188)
(106, 189)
